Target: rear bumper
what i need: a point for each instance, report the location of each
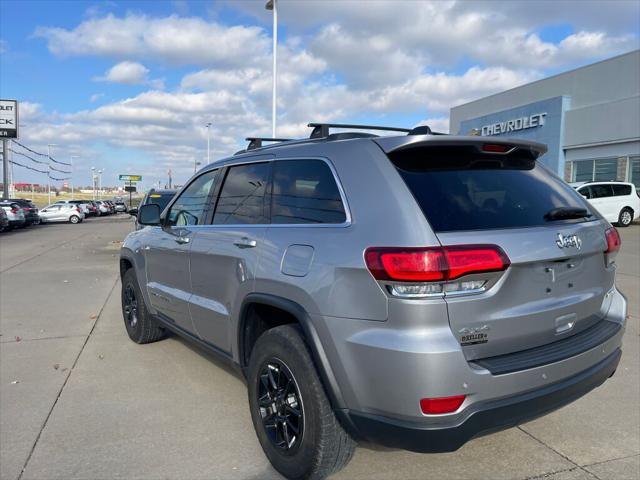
(487, 417)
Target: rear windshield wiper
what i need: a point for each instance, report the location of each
(566, 213)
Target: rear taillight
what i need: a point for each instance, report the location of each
(435, 406)
(613, 240)
(496, 148)
(14, 210)
(78, 210)
(434, 263)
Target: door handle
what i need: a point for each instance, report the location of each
(245, 242)
(182, 240)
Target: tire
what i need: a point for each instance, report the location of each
(74, 219)
(140, 324)
(626, 217)
(324, 446)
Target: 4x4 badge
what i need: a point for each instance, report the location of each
(566, 241)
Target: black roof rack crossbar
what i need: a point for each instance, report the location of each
(256, 142)
(321, 130)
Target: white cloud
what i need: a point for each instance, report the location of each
(340, 61)
(95, 97)
(173, 39)
(131, 73)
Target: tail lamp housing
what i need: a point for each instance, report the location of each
(432, 264)
(613, 240)
(434, 269)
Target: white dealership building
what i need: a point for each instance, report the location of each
(588, 117)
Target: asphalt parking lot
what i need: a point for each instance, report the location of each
(78, 400)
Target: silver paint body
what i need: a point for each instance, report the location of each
(386, 352)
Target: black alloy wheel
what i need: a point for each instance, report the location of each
(280, 406)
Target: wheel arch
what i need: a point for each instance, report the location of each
(310, 334)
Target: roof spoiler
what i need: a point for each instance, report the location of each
(484, 144)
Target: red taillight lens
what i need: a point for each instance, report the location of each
(434, 264)
(77, 210)
(409, 265)
(435, 406)
(464, 260)
(14, 210)
(613, 240)
(496, 148)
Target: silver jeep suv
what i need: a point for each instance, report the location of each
(414, 291)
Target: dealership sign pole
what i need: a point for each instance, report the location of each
(131, 187)
(8, 129)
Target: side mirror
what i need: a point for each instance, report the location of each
(149, 214)
(133, 211)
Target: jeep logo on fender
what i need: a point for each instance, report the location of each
(566, 241)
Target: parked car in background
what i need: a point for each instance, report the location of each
(62, 212)
(30, 211)
(103, 207)
(618, 202)
(159, 197)
(14, 212)
(4, 220)
(120, 207)
(83, 204)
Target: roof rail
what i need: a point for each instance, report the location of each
(321, 130)
(256, 142)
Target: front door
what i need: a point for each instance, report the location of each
(167, 251)
(224, 255)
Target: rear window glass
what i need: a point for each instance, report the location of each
(621, 189)
(458, 189)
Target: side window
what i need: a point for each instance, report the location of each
(241, 199)
(601, 191)
(192, 206)
(585, 192)
(305, 191)
(621, 190)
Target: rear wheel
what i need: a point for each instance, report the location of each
(140, 324)
(626, 217)
(74, 219)
(291, 414)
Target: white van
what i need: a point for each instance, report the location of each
(618, 202)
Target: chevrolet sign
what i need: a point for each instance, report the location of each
(522, 123)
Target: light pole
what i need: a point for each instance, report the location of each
(100, 184)
(208, 125)
(72, 157)
(273, 5)
(93, 182)
(49, 145)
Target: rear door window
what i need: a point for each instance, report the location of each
(601, 191)
(619, 190)
(305, 191)
(242, 198)
(461, 189)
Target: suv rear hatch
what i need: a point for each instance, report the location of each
(481, 192)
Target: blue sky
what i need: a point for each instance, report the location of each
(128, 85)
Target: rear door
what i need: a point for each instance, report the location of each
(167, 251)
(224, 254)
(602, 198)
(557, 281)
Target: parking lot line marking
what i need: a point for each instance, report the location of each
(64, 384)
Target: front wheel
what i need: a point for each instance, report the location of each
(74, 219)
(140, 324)
(626, 217)
(291, 414)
